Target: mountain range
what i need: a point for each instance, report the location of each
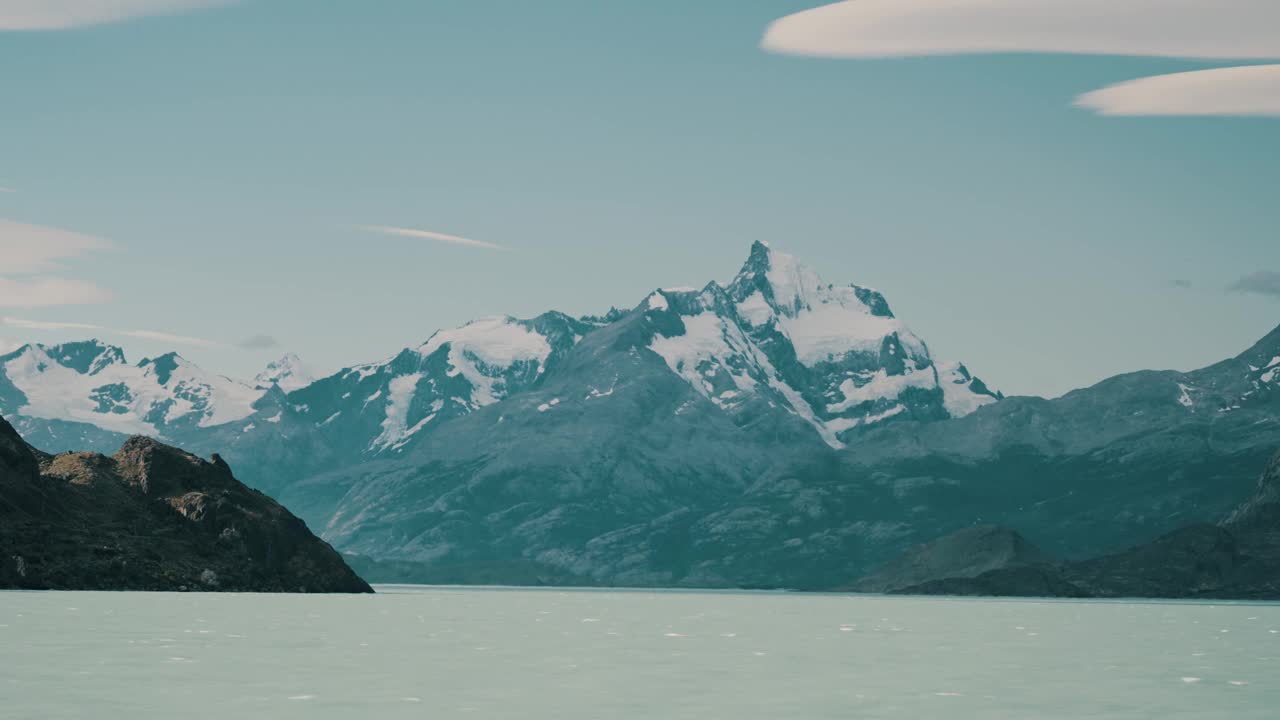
(773, 430)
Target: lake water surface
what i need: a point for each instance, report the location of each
(414, 652)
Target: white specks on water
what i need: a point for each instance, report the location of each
(1190, 680)
(747, 656)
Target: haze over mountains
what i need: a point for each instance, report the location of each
(772, 430)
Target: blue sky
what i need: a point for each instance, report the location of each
(234, 157)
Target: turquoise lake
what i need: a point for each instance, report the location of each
(418, 652)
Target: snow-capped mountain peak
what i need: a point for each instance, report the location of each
(289, 373)
(90, 382)
(821, 320)
(835, 356)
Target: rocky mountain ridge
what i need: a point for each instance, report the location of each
(774, 340)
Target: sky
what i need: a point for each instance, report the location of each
(234, 180)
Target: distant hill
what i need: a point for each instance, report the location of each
(1237, 559)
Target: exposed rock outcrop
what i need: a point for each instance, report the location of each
(151, 517)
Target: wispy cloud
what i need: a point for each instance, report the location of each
(155, 335)
(429, 235)
(37, 249)
(29, 253)
(64, 14)
(1225, 29)
(49, 292)
(4, 189)
(1261, 282)
(1182, 283)
(259, 342)
(1237, 91)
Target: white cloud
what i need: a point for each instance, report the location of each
(8, 345)
(428, 235)
(1229, 29)
(1249, 90)
(48, 291)
(31, 252)
(63, 14)
(4, 189)
(37, 249)
(140, 334)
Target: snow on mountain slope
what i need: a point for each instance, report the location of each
(485, 351)
(834, 356)
(91, 382)
(775, 339)
(289, 373)
(380, 407)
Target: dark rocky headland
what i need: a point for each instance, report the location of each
(151, 517)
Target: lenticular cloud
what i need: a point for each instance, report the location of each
(63, 14)
(1226, 29)
(1236, 91)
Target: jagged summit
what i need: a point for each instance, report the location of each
(834, 356)
(775, 339)
(790, 287)
(289, 373)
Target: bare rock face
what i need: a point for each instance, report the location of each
(151, 517)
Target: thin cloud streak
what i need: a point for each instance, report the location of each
(429, 235)
(154, 335)
(49, 291)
